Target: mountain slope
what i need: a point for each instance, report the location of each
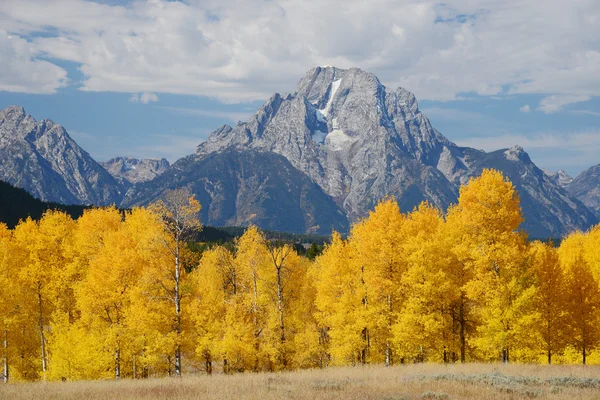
(360, 141)
(337, 129)
(41, 158)
(17, 204)
(548, 209)
(249, 187)
(309, 161)
(586, 187)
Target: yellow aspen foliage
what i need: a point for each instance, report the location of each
(309, 339)
(251, 260)
(281, 280)
(502, 285)
(10, 299)
(41, 246)
(338, 301)
(209, 304)
(178, 210)
(377, 246)
(583, 295)
(550, 301)
(150, 318)
(119, 294)
(424, 327)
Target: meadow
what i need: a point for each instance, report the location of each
(414, 381)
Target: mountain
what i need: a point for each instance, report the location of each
(128, 170)
(586, 187)
(43, 159)
(560, 177)
(17, 204)
(360, 141)
(322, 157)
(238, 188)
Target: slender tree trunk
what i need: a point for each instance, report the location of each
(178, 312)
(281, 317)
(257, 330)
(549, 356)
(584, 355)
(461, 320)
(5, 374)
(388, 350)
(42, 336)
(118, 363)
(208, 362)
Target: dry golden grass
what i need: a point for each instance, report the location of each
(422, 381)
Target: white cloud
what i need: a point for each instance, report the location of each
(585, 112)
(20, 71)
(143, 98)
(241, 51)
(555, 103)
(525, 108)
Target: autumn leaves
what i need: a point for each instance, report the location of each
(120, 295)
(468, 287)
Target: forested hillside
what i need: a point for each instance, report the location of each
(112, 296)
(17, 204)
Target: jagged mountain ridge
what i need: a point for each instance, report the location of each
(43, 159)
(360, 141)
(560, 177)
(586, 187)
(248, 187)
(129, 170)
(332, 149)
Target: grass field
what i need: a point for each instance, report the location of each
(421, 381)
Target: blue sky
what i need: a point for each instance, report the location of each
(154, 78)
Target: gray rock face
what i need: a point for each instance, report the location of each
(357, 141)
(128, 170)
(548, 209)
(586, 187)
(308, 161)
(360, 141)
(41, 158)
(248, 187)
(560, 177)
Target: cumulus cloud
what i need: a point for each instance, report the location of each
(525, 108)
(143, 98)
(240, 51)
(20, 71)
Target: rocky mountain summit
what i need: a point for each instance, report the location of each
(586, 187)
(129, 170)
(319, 159)
(560, 177)
(360, 141)
(43, 159)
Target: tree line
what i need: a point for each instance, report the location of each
(119, 294)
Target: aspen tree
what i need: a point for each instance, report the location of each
(339, 302)
(502, 286)
(44, 262)
(252, 259)
(583, 296)
(551, 298)
(8, 297)
(423, 326)
(178, 210)
(377, 241)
